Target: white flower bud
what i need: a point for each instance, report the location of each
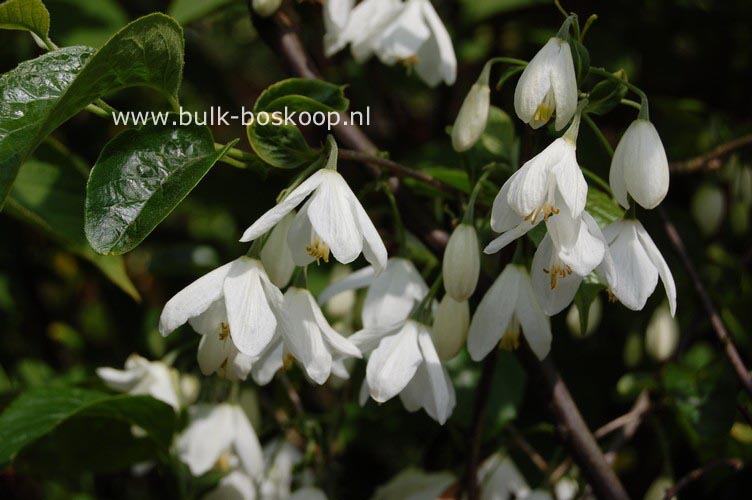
(450, 325)
(461, 266)
(266, 8)
(190, 387)
(276, 255)
(594, 318)
(662, 334)
(548, 85)
(639, 167)
(709, 208)
(472, 118)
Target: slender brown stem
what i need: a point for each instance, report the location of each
(712, 159)
(519, 439)
(742, 372)
(281, 32)
(698, 473)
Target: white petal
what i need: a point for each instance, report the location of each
(535, 81)
(193, 299)
(252, 322)
(436, 58)
(209, 434)
(369, 338)
(535, 324)
(210, 321)
(394, 363)
(461, 263)
(660, 263)
(234, 486)
(564, 84)
(528, 187)
(331, 217)
(472, 118)
(570, 181)
(403, 36)
(212, 353)
(335, 341)
(304, 340)
(353, 281)
(246, 443)
(637, 275)
(552, 300)
(271, 360)
(586, 254)
(367, 21)
(336, 15)
(506, 238)
(645, 164)
(503, 217)
(270, 218)
(364, 392)
(119, 380)
(493, 315)
(374, 250)
(276, 256)
(616, 178)
(300, 235)
(439, 394)
(393, 294)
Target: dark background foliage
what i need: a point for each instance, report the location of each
(60, 318)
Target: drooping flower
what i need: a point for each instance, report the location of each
(547, 85)
(450, 324)
(461, 264)
(473, 115)
(662, 334)
(336, 17)
(638, 264)
(510, 304)
(276, 255)
(247, 294)
(332, 220)
(144, 377)
(539, 190)
(571, 250)
(410, 33)
(310, 339)
(280, 458)
(220, 436)
(639, 167)
(405, 362)
(391, 295)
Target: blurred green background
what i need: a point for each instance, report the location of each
(60, 317)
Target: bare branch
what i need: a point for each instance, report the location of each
(712, 159)
(698, 473)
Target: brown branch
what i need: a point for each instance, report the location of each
(281, 32)
(712, 159)
(519, 439)
(742, 372)
(396, 169)
(698, 473)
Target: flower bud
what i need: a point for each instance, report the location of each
(708, 208)
(266, 8)
(662, 334)
(472, 118)
(461, 266)
(449, 332)
(276, 255)
(342, 304)
(639, 167)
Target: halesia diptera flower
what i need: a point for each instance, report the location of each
(473, 115)
(461, 264)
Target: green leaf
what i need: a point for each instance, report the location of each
(585, 296)
(40, 95)
(281, 144)
(38, 412)
(602, 207)
(140, 177)
(187, 11)
(605, 96)
(26, 15)
(49, 193)
(581, 59)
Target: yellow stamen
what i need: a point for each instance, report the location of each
(318, 250)
(409, 61)
(557, 273)
(543, 112)
(510, 341)
(223, 463)
(224, 332)
(288, 360)
(546, 210)
(612, 297)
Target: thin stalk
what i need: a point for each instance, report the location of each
(598, 134)
(398, 225)
(470, 212)
(644, 109)
(96, 110)
(631, 104)
(233, 162)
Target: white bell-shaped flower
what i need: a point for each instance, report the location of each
(332, 220)
(217, 436)
(405, 362)
(266, 8)
(391, 295)
(461, 264)
(247, 293)
(547, 85)
(410, 33)
(450, 324)
(662, 334)
(571, 250)
(310, 339)
(276, 255)
(473, 115)
(280, 458)
(552, 180)
(510, 304)
(144, 377)
(638, 263)
(336, 16)
(639, 167)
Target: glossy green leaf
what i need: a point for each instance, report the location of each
(139, 178)
(27, 15)
(605, 96)
(602, 207)
(40, 95)
(39, 411)
(49, 193)
(281, 144)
